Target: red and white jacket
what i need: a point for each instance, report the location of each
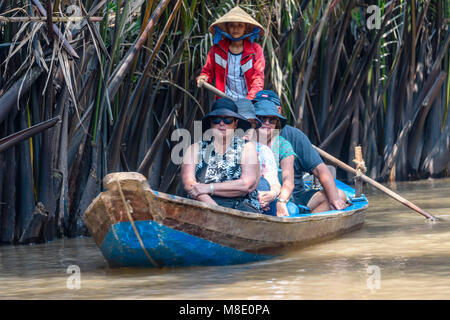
(252, 64)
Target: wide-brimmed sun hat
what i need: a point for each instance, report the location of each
(267, 108)
(225, 107)
(247, 110)
(267, 95)
(236, 14)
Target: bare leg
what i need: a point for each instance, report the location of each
(319, 201)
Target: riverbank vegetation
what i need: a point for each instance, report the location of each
(104, 93)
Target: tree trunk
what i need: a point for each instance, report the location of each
(33, 232)
(25, 179)
(8, 223)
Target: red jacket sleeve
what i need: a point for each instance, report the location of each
(257, 79)
(208, 68)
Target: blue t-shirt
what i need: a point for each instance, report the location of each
(307, 157)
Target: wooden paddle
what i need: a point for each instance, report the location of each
(345, 166)
(374, 183)
(214, 89)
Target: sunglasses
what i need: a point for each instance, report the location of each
(253, 122)
(272, 120)
(226, 120)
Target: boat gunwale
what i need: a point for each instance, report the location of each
(141, 186)
(332, 214)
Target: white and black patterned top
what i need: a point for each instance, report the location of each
(235, 86)
(215, 168)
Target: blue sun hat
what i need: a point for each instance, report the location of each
(247, 110)
(225, 107)
(268, 108)
(267, 95)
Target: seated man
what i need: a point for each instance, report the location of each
(308, 160)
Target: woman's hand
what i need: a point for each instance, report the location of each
(200, 78)
(265, 198)
(282, 210)
(198, 189)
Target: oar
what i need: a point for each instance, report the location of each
(213, 89)
(372, 182)
(346, 167)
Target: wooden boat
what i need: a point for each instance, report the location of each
(135, 226)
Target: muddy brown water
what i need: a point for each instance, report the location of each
(397, 254)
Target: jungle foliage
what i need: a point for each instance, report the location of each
(122, 79)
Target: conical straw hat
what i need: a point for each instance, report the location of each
(236, 15)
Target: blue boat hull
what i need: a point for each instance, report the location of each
(167, 247)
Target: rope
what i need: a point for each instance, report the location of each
(360, 164)
(129, 210)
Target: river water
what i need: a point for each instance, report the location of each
(397, 254)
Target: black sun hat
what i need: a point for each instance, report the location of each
(225, 107)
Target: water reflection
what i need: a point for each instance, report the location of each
(412, 256)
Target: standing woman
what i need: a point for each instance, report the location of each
(269, 134)
(236, 62)
(223, 171)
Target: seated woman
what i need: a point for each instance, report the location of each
(268, 134)
(269, 185)
(224, 170)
